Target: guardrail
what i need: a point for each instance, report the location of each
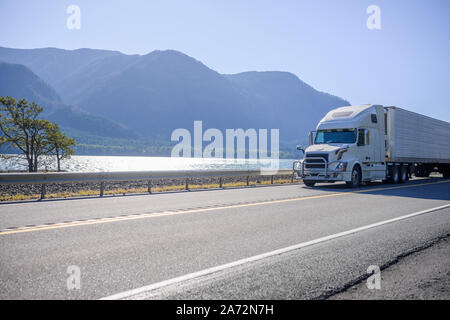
(102, 177)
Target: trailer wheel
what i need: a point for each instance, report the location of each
(404, 176)
(309, 183)
(356, 177)
(395, 174)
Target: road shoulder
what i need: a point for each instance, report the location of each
(421, 275)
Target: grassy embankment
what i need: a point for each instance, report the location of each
(127, 191)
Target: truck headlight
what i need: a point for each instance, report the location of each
(341, 166)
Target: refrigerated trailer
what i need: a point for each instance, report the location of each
(359, 144)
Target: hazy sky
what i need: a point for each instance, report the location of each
(325, 43)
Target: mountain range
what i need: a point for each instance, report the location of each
(137, 97)
(18, 81)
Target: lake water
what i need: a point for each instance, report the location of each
(123, 163)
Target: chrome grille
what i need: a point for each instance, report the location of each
(315, 163)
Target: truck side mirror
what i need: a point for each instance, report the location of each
(341, 151)
(311, 138)
(301, 148)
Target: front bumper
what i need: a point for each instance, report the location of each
(320, 174)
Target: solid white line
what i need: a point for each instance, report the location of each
(205, 272)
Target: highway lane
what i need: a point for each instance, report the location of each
(40, 212)
(120, 255)
(21, 214)
(321, 271)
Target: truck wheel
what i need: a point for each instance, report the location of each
(421, 172)
(395, 175)
(423, 175)
(356, 177)
(309, 183)
(404, 176)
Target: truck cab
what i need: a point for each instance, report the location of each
(347, 145)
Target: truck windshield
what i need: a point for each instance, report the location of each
(335, 136)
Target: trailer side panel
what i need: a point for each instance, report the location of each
(412, 137)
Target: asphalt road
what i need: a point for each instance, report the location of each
(422, 275)
(165, 245)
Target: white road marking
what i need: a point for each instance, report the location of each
(152, 287)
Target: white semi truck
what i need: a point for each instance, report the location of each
(358, 144)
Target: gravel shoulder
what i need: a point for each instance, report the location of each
(424, 275)
(64, 190)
